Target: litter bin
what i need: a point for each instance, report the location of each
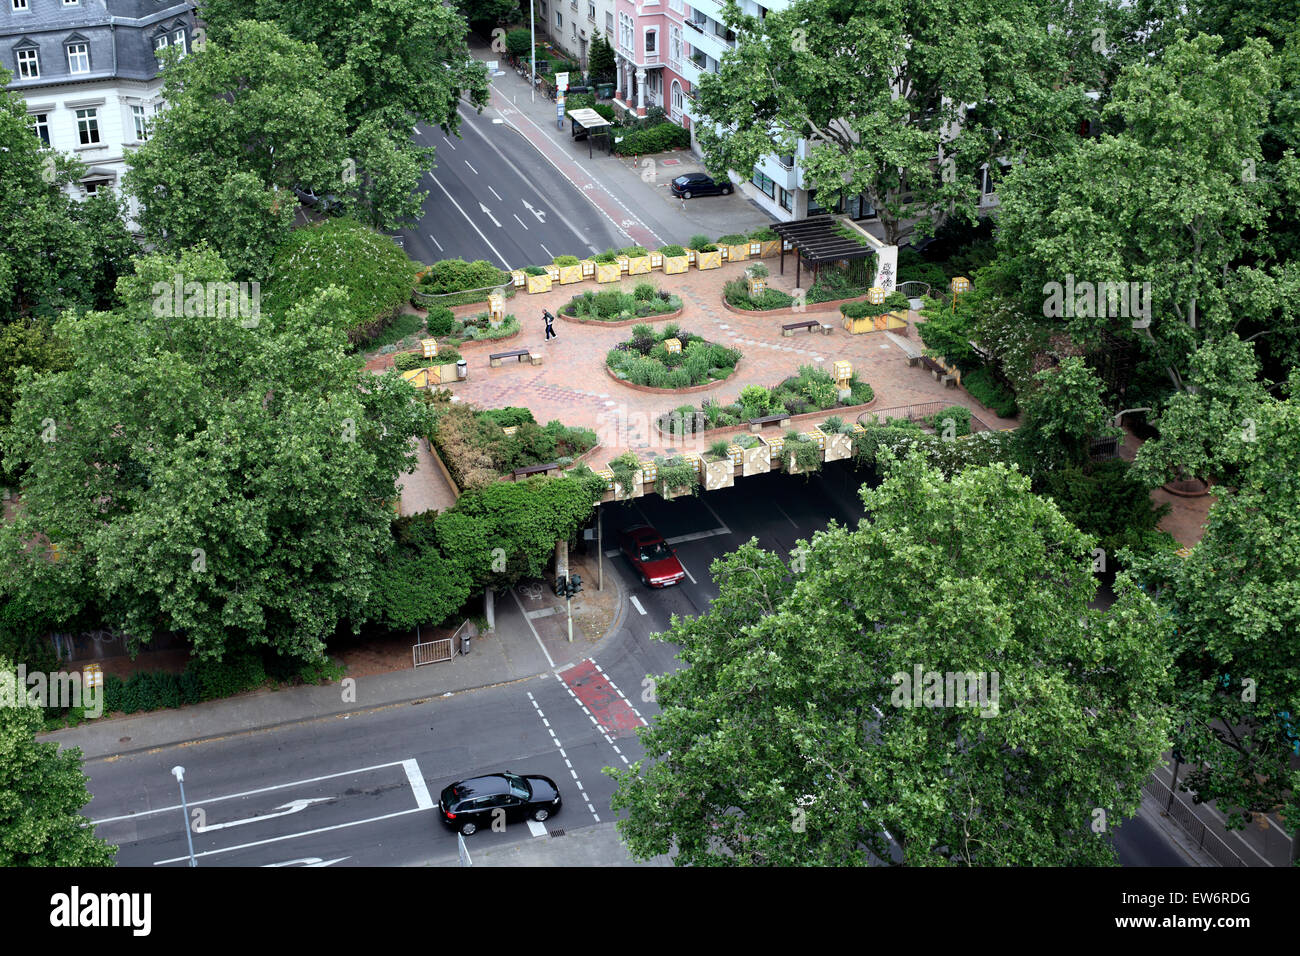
(462, 370)
(464, 641)
(604, 91)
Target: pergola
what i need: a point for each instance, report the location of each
(817, 240)
(587, 124)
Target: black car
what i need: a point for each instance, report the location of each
(469, 805)
(698, 184)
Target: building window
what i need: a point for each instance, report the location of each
(591, 12)
(559, 20)
(20, 5)
(179, 39)
(787, 200)
(78, 58)
(764, 183)
(29, 67)
(652, 44)
(141, 130)
(40, 123)
(677, 98)
(70, 3)
(675, 47)
(675, 6)
(88, 126)
(609, 24)
(160, 42)
(625, 32)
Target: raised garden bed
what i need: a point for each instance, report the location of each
(615, 306)
(670, 359)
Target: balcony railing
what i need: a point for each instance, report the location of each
(697, 27)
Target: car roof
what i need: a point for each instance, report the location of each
(643, 532)
(482, 786)
(694, 177)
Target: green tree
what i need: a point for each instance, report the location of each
(246, 122)
(25, 343)
(786, 740)
(201, 476)
(600, 58)
(1235, 604)
(1062, 415)
(42, 791)
(830, 72)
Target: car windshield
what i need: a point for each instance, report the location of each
(518, 786)
(655, 552)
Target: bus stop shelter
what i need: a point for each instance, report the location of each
(588, 124)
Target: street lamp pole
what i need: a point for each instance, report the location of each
(532, 52)
(179, 773)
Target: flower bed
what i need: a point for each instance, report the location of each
(454, 282)
(615, 305)
(476, 449)
(646, 359)
(451, 329)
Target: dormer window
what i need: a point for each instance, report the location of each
(29, 64)
(78, 57)
(179, 40)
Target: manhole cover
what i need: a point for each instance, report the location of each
(557, 833)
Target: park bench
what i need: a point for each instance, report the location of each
(520, 354)
(809, 324)
(938, 372)
(757, 424)
(533, 470)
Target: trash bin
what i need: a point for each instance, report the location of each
(464, 642)
(604, 91)
(462, 370)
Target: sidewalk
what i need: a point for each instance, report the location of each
(594, 845)
(523, 646)
(632, 192)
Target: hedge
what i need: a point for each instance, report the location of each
(656, 139)
(989, 391)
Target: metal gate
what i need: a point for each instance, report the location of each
(432, 652)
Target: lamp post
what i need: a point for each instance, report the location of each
(532, 52)
(179, 773)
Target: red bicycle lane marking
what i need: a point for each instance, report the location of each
(611, 710)
(620, 216)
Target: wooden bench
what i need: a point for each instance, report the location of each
(938, 372)
(520, 354)
(757, 424)
(809, 324)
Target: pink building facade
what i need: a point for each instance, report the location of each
(652, 57)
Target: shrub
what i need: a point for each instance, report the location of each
(519, 42)
(441, 321)
(763, 234)
(406, 361)
(607, 256)
(960, 416)
(803, 451)
(832, 424)
(446, 355)
(757, 269)
(644, 291)
(896, 301)
(698, 242)
(731, 239)
(534, 270)
(860, 310)
(718, 450)
(672, 251)
(580, 101)
(860, 393)
(756, 399)
(457, 275)
(651, 139)
(1105, 500)
(634, 252)
(675, 473)
(989, 391)
(605, 111)
(509, 416)
(566, 260)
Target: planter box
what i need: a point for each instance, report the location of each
(709, 260)
(636, 490)
(756, 460)
(608, 272)
(588, 268)
(739, 253)
(570, 274)
(792, 467)
(518, 279)
(622, 263)
(676, 265)
(836, 447)
(668, 494)
(638, 266)
(553, 271)
(539, 284)
(771, 247)
(719, 474)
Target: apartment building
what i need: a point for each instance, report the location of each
(88, 74)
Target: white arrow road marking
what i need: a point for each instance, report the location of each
(285, 809)
(539, 213)
(309, 861)
(503, 259)
(488, 212)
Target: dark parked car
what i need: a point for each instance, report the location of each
(651, 556)
(698, 184)
(470, 805)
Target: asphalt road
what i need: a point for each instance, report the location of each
(360, 789)
(493, 196)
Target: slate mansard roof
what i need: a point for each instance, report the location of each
(119, 34)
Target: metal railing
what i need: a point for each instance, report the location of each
(914, 289)
(435, 651)
(1205, 838)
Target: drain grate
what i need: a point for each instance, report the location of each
(558, 833)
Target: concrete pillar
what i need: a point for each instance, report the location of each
(640, 92)
(887, 268)
(562, 559)
(489, 608)
(620, 91)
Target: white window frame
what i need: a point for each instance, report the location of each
(626, 33)
(609, 25)
(591, 11)
(140, 120)
(82, 53)
(677, 99)
(86, 125)
(675, 47)
(181, 39)
(38, 122)
(651, 56)
(19, 6)
(71, 3)
(29, 69)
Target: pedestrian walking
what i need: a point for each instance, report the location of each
(550, 325)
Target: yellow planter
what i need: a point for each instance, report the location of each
(608, 272)
(709, 260)
(638, 266)
(517, 278)
(771, 247)
(739, 253)
(719, 474)
(676, 265)
(588, 268)
(539, 284)
(570, 274)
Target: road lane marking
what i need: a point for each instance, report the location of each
(518, 220)
(471, 168)
(308, 861)
(538, 829)
(687, 570)
(495, 193)
(296, 806)
(449, 142)
(418, 786)
(782, 510)
(722, 525)
(470, 221)
(288, 836)
(249, 793)
(435, 242)
(549, 660)
(595, 686)
(545, 250)
(560, 746)
(636, 604)
(697, 535)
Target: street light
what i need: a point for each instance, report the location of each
(532, 52)
(568, 588)
(179, 773)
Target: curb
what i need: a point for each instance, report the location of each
(609, 372)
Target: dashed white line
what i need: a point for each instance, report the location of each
(636, 604)
(547, 251)
(435, 242)
(471, 168)
(520, 221)
(494, 193)
(581, 789)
